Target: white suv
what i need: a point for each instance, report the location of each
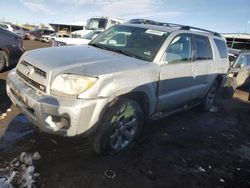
(128, 74)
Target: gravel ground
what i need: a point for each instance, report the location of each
(189, 149)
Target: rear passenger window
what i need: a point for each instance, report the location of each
(203, 49)
(221, 45)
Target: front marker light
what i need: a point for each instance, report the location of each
(68, 84)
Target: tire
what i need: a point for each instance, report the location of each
(208, 101)
(2, 61)
(121, 124)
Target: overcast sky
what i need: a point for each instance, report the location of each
(219, 15)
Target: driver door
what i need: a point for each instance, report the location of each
(176, 74)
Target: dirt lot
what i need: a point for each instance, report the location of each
(189, 149)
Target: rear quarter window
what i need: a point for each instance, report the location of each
(222, 48)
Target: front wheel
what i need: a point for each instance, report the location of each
(120, 126)
(208, 101)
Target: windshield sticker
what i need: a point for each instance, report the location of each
(155, 32)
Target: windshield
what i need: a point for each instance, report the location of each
(97, 23)
(132, 41)
(91, 35)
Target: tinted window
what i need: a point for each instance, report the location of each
(203, 49)
(221, 45)
(180, 49)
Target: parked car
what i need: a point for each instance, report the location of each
(239, 66)
(73, 41)
(239, 72)
(26, 33)
(13, 28)
(11, 48)
(53, 36)
(98, 23)
(127, 75)
(37, 34)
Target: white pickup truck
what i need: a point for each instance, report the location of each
(76, 41)
(94, 27)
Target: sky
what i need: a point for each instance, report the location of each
(224, 16)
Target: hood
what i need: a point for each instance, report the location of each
(72, 41)
(81, 59)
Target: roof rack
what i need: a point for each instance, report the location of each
(181, 27)
(199, 29)
(186, 27)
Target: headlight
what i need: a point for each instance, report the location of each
(68, 84)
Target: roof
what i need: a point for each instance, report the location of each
(170, 27)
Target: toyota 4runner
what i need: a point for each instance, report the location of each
(127, 75)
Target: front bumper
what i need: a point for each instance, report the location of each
(55, 115)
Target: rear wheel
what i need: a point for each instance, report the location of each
(208, 101)
(2, 61)
(121, 124)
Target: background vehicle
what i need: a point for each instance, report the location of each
(100, 23)
(239, 66)
(73, 41)
(128, 74)
(37, 34)
(13, 28)
(53, 36)
(10, 48)
(97, 24)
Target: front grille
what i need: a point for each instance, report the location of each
(32, 82)
(37, 70)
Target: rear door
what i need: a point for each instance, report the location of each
(203, 61)
(176, 73)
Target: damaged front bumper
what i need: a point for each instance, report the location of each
(55, 115)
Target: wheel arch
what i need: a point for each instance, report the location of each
(221, 79)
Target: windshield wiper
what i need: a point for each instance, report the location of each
(98, 46)
(127, 53)
(121, 52)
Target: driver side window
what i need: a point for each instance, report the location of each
(179, 50)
